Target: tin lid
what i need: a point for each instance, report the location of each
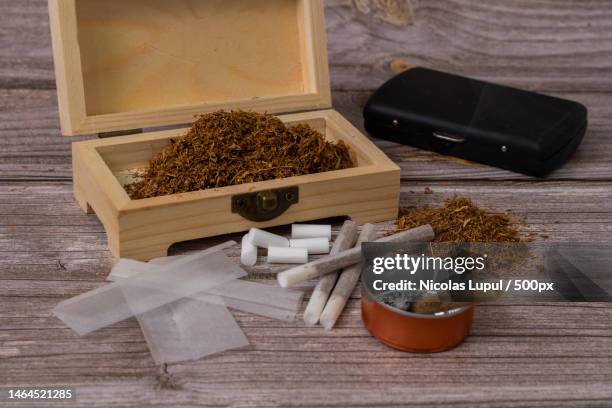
(143, 63)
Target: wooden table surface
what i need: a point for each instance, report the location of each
(549, 355)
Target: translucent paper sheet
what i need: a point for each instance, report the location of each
(260, 299)
(128, 268)
(189, 329)
(250, 297)
(147, 290)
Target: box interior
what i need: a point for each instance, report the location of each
(126, 160)
(139, 55)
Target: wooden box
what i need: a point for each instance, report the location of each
(132, 64)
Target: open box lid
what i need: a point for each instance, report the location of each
(126, 64)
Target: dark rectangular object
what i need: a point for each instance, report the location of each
(492, 124)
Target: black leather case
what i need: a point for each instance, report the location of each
(500, 126)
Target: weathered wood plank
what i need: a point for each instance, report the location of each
(510, 345)
(550, 45)
(551, 355)
(518, 355)
(32, 148)
(25, 45)
(553, 46)
(43, 232)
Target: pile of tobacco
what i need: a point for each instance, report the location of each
(229, 148)
(460, 220)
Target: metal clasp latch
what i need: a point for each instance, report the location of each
(265, 205)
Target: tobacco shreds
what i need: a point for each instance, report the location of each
(230, 148)
(460, 220)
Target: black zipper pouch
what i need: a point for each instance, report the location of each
(492, 124)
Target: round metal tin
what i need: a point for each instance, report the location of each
(417, 333)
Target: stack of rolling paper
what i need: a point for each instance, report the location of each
(181, 304)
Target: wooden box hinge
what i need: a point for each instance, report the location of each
(128, 132)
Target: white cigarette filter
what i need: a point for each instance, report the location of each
(347, 258)
(282, 255)
(248, 255)
(264, 239)
(299, 231)
(315, 246)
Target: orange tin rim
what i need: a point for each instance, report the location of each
(412, 332)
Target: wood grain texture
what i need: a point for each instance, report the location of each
(549, 355)
(125, 65)
(553, 46)
(518, 355)
(145, 229)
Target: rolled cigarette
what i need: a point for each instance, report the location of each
(283, 255)
(347, 258)
(248, 255)
(311, 231)
(315, 246)
(345, 240)
(345, 285)
(264, 239)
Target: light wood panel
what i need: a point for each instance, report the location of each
(131, 64)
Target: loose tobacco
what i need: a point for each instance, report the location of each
(230, 148)
(460, 220)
